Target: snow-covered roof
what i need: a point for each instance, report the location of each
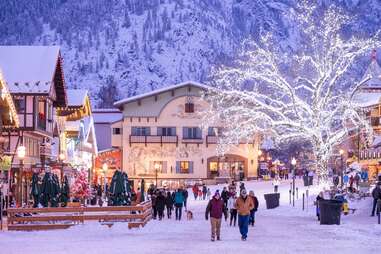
(29, 68)
(76, 97)
(161, 90)
(376, 141)
(367, 99)
(107, 117)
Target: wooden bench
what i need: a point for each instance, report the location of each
(55, 217)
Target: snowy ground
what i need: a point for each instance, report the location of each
(281, 230)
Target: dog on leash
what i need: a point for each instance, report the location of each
(189, 215)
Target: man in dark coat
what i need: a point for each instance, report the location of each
(225, 196)
(160, 204)
(154, 208)
(215, 209)
(376, 194)
(169, 204)
(204, 191)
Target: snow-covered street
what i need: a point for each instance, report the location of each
(281, 230)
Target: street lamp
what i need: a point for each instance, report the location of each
(342, 167)
(21, 152)
(293, 163)
(157, 167)
(259, 167)
(105, 168)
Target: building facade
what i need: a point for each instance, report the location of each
(160, 138)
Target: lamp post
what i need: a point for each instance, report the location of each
(293, 163)
(105, 168)
(61, 158)
(157, 167)
(21, 151)
(342, 167)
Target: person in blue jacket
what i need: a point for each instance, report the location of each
(179, 201)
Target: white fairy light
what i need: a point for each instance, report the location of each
(311, 105)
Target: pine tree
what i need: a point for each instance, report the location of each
(108, 93)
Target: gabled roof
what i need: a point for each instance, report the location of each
(374, 72)
(76, 97)
(161, 90)
(33, 69)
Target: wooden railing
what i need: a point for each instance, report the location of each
(154, 139)
(28, 219)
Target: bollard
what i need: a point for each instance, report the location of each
(303, 202)
(290, 197)
(297, 193)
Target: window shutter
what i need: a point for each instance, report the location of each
(191, 167)
(178, 167)
(159, 131)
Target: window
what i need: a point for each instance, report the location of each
(166, 131)
(192, 133)
(140, 131)
(189, 107)
(214, 131)
(161, 165)
(19, 104)
(184, 167)
(116, 131)
(41, 117)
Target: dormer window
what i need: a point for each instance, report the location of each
(189, 107)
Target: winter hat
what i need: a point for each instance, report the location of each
(243, 192)
(216, 193)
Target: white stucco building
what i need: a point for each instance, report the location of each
(160, 136)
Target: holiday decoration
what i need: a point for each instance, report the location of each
(314, 103)
(80, 189)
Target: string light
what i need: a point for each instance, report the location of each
(255, 95)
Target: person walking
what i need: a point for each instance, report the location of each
(204, 191)
(179, 201)
(255, 208)
(225, 196)
(195, 191)
(169, 204)
(160, 205)
(154, 208)
(232, 209)
(185, 194)
(276, 183)
(376, 194)
(208, 194)
(244, 204)
(215, 209)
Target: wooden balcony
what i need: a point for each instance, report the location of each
(192, 141)
(153, 139)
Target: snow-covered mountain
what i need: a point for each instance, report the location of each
(140, 45)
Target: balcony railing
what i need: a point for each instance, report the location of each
(214, 140)
(192, 140)
(369, 154)
(153, 139)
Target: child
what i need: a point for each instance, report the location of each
(200, 194)
(276, 183)
(318, 198)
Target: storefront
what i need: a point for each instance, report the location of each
(106, 162)
(227, 166)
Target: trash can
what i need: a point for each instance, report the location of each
(272, 200)
(330, 211)
(310, 180)
(305, 180)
